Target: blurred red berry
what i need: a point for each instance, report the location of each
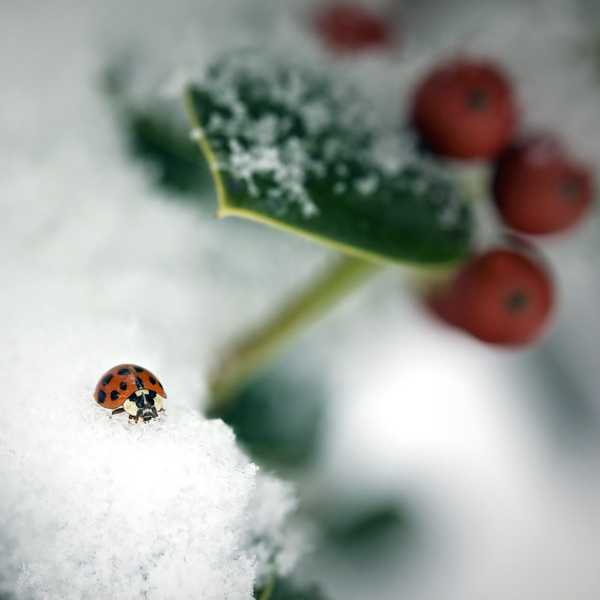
(539, 188)
(501, 297)
(352, 28)
(465, 109)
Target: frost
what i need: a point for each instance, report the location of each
(292, 134)
(196, 134)
(367, 185)
(285, 164)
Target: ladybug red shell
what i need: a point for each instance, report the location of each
(131, 389)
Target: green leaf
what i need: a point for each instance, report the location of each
(368, 527)
(290, 148)
(281, 435)
(168, 149)
(285, 589)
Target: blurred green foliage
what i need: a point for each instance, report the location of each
(368, 526)
(285, 589)
(278, 417)
(365, 529)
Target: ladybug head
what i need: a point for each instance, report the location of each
(144, 404)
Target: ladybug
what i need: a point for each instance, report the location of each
(465, 109)
(131, 389)
(502, 297)
(351, 28)
(539, 189)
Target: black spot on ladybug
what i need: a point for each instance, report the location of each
(101, 396)
(138, 369)
(138, 383)
(123, 371)
(107, 379)
(114, 395)
(123, 385)
(152, 381)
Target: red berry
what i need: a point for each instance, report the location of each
(501, 297)
(351, 28)
(465, 109)
(539, 188)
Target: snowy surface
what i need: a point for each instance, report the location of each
(99, 268)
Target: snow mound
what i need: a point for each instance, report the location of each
(95, 507)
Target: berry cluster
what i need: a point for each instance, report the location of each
(466, 109)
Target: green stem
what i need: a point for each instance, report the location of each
(261, 345)
(268, 590)
(476, 182)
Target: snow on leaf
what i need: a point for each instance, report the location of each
(297, 149)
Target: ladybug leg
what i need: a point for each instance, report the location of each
(118, 411)
(133, 419)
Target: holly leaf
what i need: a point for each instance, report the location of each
(291, 148)
(168, 148)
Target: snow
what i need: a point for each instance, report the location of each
(91, 505)
(100, 269)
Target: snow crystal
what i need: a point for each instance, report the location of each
(196, 134)
(367, 185)
(286, 164)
